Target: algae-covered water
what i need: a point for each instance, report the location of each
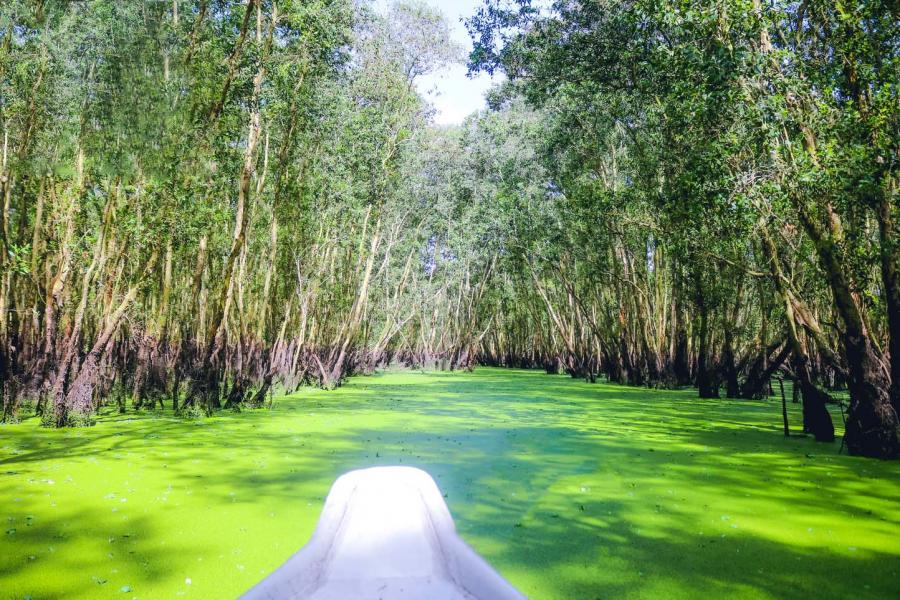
(570, 490)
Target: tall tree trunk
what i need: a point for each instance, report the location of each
(890, 276)
(872, 424)
(707, 383)
(816, 418)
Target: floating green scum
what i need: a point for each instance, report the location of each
(570, 490)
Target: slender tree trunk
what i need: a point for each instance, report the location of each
(816, 418)
(706, 380)
(890, 276)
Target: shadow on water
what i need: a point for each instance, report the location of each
(571, 490)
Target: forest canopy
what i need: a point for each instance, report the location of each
(208, 201)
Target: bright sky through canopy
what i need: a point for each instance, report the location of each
(453, 94)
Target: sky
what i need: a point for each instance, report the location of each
(452, 93)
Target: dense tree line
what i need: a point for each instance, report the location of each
(208, 200)
(726, 184)
(203, 198)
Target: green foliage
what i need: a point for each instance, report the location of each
(17, 259)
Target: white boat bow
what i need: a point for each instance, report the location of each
(385, 534)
